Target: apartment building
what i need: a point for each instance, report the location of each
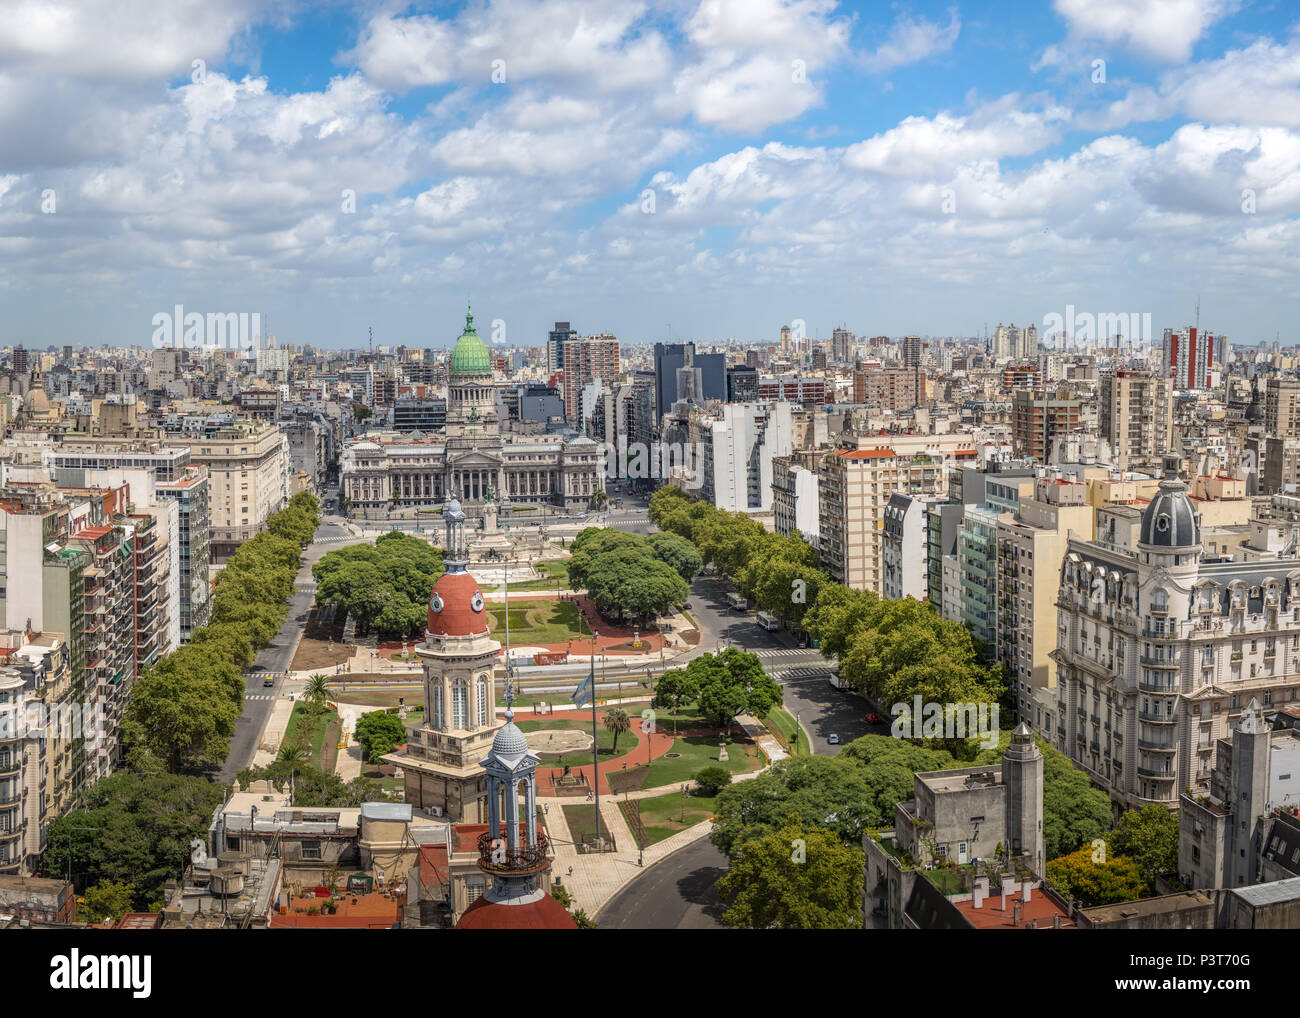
(1031, 544)
(586, 360)
(1136, 418)
(730, 450)
(893, 389)
(1039, 418)
(794, 495)
(249, 467)
(1282, 407)
(1160, 651)
(905, 545)
(1189, 356)
(1237, 829)
(193, 549)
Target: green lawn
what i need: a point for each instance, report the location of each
(783, 721)
(627, 741)
(317, 734)
(662, 816)
(697, 751)
(540, 622)
(529, 700)
(582, 823)
(554, 576)
(382, 698)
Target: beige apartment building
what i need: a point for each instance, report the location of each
(1282, 408)
(1031, 547)
(249, 470)
(1136, 418)
(853, 488)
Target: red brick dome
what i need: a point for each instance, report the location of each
(456, 606)
(543, 914)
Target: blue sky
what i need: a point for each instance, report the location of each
(716, 168)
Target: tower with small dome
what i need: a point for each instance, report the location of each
(440, 762)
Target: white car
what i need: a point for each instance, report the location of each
(833, 739)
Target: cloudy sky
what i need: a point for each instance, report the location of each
(705, 169)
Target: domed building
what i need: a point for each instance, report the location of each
(440, 762)
(1160, 646)
(395, 470)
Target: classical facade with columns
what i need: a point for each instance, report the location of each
(471, 459)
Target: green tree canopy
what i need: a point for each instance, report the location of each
(1150, 837)
(1094, 883)
(730, 683)
(800, 877)
(379, 733)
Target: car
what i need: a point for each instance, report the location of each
(873, 718)
(268, 681)
(833, 739)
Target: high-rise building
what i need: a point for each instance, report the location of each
(1189, 355)
(1041, 417)
(842, 345)
(193, 547)
(1282, 407)
(586, 360)
(555, 341)
(707, 378)
(912, 351)
(894, 389)
(1136, 418)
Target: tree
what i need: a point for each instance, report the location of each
(380, 733)
(1074, 813)
(182, 717)
(798, 878)
(830, 792)
(1096, 883)
(317, 687)
(712, 779)
(384, 586)
(617, 722)
(106, 900)
(1150, 837)
(731, 683)
(141, 825)
(676, 688)
(677, 552)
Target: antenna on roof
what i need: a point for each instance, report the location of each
(370, 329)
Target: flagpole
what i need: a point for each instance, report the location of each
(595, 737)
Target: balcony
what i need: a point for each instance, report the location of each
(1158, 662)
(1147, 772)
(1156, 719)
(1152, 685)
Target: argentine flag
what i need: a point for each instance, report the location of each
(586, 691)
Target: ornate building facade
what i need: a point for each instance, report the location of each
(441, 760)
(1159, 652)
(396, 471)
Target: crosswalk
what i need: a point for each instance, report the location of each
(785, 652)
(258, 696)
(334, 540)
(803, 673)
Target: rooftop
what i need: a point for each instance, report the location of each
(1145, 907)
(1040, 911)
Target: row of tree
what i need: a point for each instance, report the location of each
(632, 577)
(890, 650)
(182, 710)
(722, 685)
(384, 586)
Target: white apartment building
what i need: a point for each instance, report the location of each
(905, 546)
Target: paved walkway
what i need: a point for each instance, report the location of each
(596, 878)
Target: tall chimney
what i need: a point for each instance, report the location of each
(977, 899)
(1026, 892)
(1015, 914)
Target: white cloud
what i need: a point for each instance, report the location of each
(912, 39)
(1164, 30)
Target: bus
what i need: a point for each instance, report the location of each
(737, 601)
(769, 622)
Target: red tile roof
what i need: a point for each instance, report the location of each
(990, 915)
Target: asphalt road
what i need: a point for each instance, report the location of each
(275, 658)
(675, 894)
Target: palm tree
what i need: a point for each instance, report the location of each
(317, 687)
(291, 754)
(617, 721)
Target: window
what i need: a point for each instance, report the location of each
(459, 705)
(311, 849)
(482, 700)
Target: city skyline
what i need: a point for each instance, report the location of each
(695, 172)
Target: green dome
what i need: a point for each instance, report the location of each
(470, 355)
